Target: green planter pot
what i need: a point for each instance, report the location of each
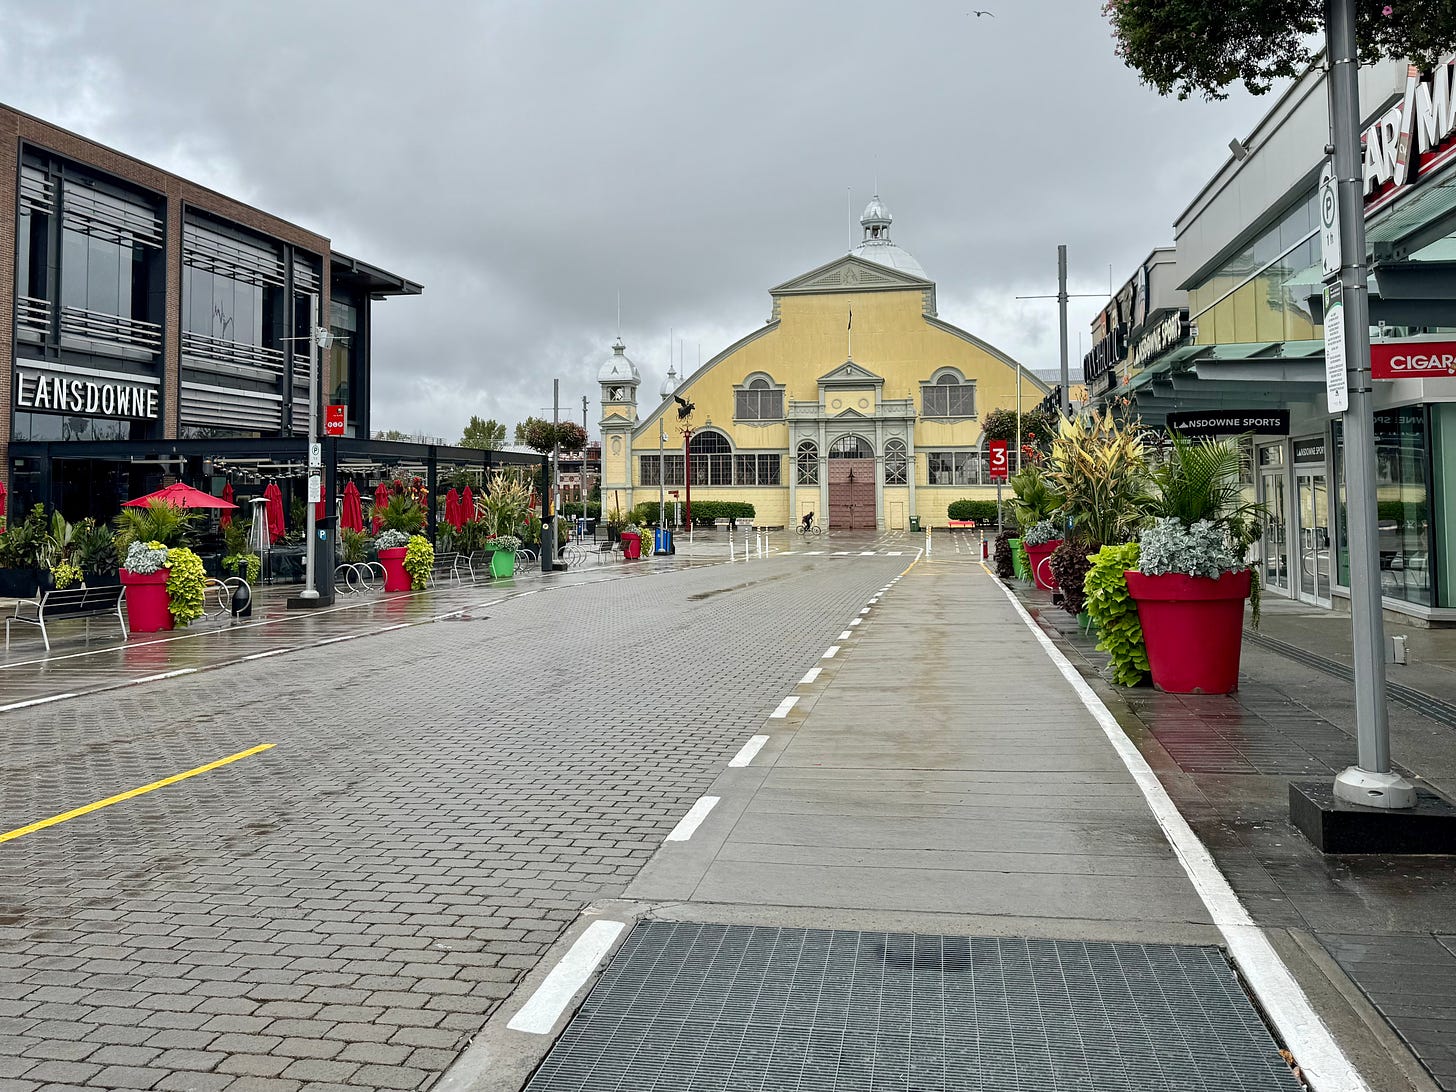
(502, 563)
(1020, 563)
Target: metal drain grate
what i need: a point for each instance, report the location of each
(690, 1008)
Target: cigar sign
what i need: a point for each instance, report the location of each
(1412, 359)
(56, 393)
(1413, 137)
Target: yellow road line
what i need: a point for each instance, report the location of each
(117, 799)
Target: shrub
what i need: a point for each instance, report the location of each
(401, 513)
(1200, 550)
(391, 540)
(1119, 632)
(1035, 499)
(353, 546)
(185, 584)
(1005, 567)
(66, 574)
(145, 557)
(1069, 566)
(157, 522)
(246, 565)
(419, 561)
(982, 511)
(1040, 533)
(1100, 468)
(704, 511)
(21, 545)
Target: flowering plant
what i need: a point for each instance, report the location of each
(145, 557)
(66, 574)
(391, 540)
(505, 543)
(1041, 532)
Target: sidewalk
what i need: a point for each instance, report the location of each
(937, 775)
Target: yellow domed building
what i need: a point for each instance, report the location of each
(854, 402)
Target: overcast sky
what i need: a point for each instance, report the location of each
(528, 161)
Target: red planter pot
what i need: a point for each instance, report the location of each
(395, 578)
(1194, 629)
(147, 606)
(631, 545)
(1035, 555)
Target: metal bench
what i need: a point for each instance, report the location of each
(80, 602)
(449, 565)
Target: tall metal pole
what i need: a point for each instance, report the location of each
(661, 474)
(1062, 312)
(1018, 421)
(585, 445)
(688, 477)
(556, 457)
(311, 533)
(1371, 782)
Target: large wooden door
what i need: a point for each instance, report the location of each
(852, 494)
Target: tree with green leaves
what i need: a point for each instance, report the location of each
(524, 427)
(542, 436)
(488, 435)
(1194, 47)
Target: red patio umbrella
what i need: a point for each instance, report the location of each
(452, 508)
(227, 495)
(276, 526)
(352, 517)
(381, 499)
(179, 495)
(467, 506)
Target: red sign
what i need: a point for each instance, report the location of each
(1412, 359)
(334, 420)
(998, 465)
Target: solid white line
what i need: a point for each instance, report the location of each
(749, 749)
(163, 675)
(540, 1013)
(1310, 1041)
(846, 635)
(810, 676)
(265, 655)
(833, 651)
(812, 553)
(784, 706)
(345, 637)
(692, 820)
(397, 625)
(855, 621)
(34, 701)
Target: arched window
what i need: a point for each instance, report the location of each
(712, 459)
(758, 400)
(807, 461)
(851, 447)
(948, 395)
(895, 462)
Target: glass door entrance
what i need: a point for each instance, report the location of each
(1312, 501)
(1274, 545)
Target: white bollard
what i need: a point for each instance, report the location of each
(730, 549)
(927, 542)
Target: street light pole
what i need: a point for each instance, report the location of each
(1371, 782)
(315, 344)
(1062, 314)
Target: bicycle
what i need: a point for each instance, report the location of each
(808, 529)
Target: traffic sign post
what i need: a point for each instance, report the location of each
(1329, 214)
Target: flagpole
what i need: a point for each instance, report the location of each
(849, 330)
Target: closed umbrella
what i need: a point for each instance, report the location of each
(276, 526)
(381, 499)
(227, 495)
(452, 508)
(467, 506)
(352, 517)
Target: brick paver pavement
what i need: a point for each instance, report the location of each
(346, 909)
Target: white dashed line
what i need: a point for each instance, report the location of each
(864, 610)
(397, 625)
(163, 675)
(855, 621)
(846, 635)
(540, 1013)
(810, 676)
(265, 655)
(894, 553)
(746, 755)
(833, 652)
(784, 706)
(866, 553)
(345, 637)
(693, 819)
(813, 553)
(34, 701)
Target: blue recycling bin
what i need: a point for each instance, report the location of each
(662, 541)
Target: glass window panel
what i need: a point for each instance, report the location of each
(745, 470)
(672, 468)
(768, 470)
(73, 268)
(650, 473)
(772, 405)
(745, 405)
(807, 460)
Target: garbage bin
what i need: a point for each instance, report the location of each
(662, 541)
(914, 523)
(631, 545)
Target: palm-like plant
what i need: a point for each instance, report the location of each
(157, 522)
(1034, 498)
(1099, 465)
(402, 513)
(1202, 480)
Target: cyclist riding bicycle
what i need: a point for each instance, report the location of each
(808, 521)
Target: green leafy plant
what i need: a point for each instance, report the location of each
(235, 537)
(66, 574)
(1035, 499)
(1199, 480)
(56, 546)
(419, 561)
(185, 584)
(1099, 466)
(1191, 47)
(248, 566)
(157, 522)
(704, 511)
(402, 513)
(505, 505)
(353, 546)
(982, 511)
(1111, 606)
(145, 557)
(542, 436)
(21, 544)
(1040, 533)
(94, 547)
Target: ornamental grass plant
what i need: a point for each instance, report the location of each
(1099, 466)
